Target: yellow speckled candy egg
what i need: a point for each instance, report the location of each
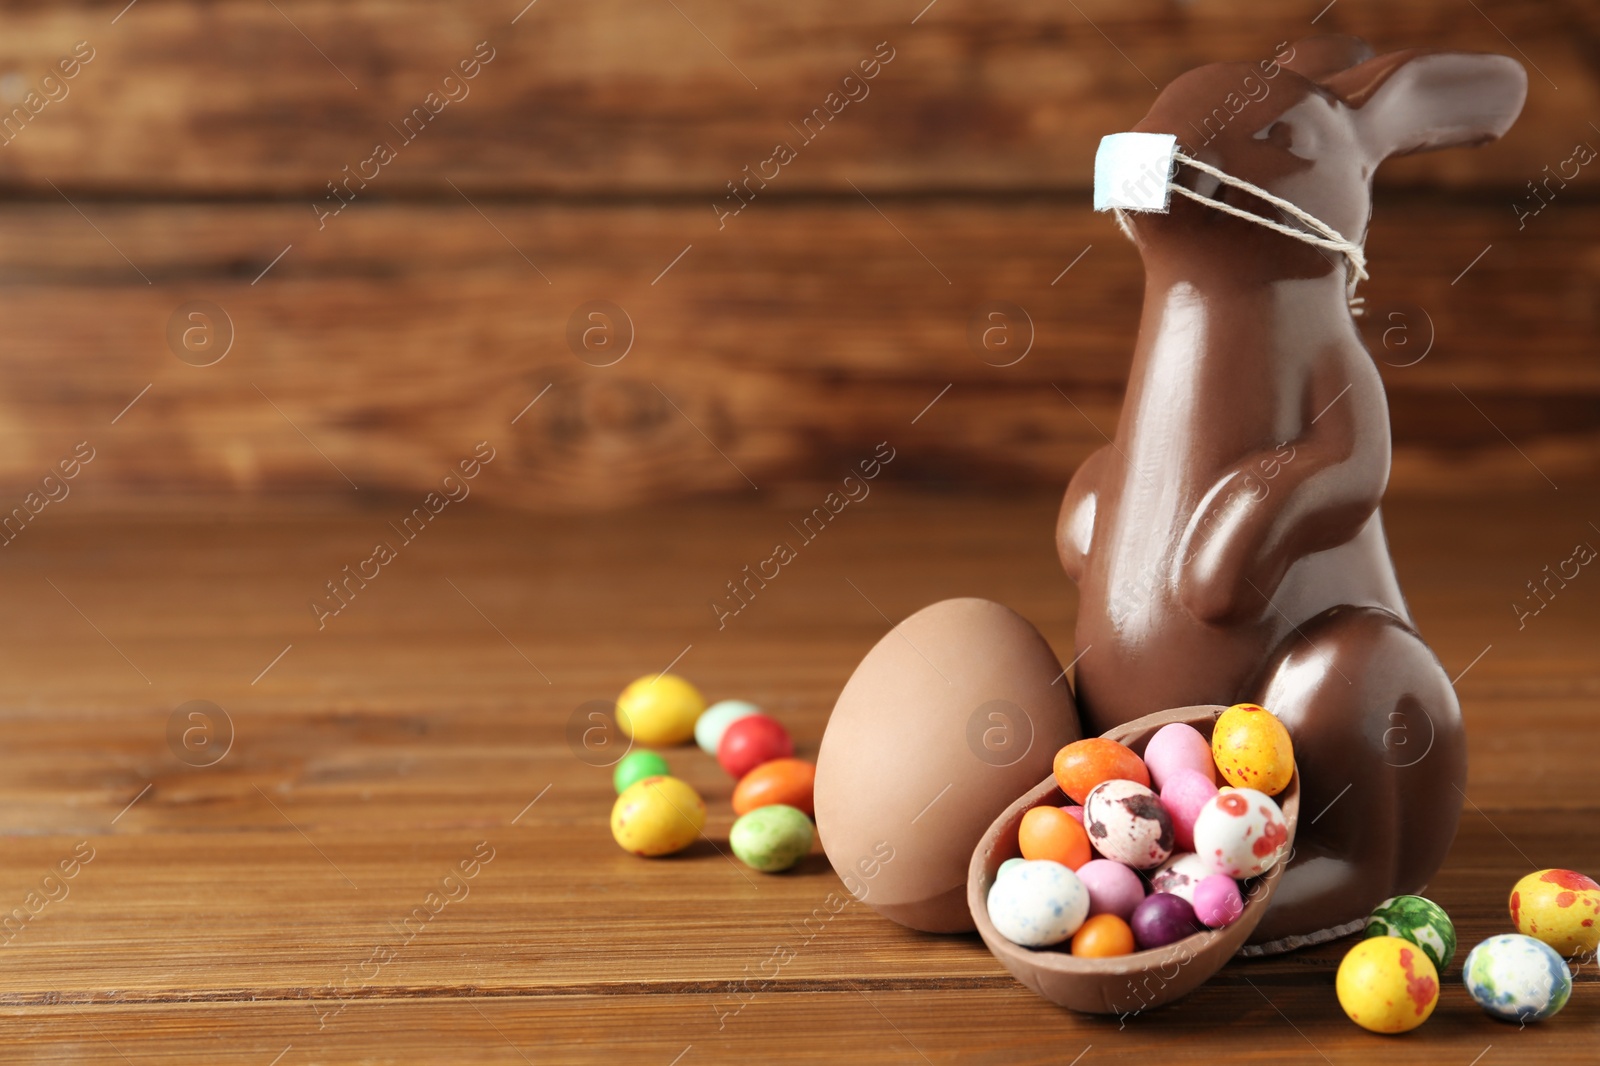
(657, 816)
(1252, 749)
(659, 710)
(1387, 985)
(1560, 907)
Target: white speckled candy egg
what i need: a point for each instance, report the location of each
(1240, 832)
(1127, 824)
(1180, 875)
(1038, 903)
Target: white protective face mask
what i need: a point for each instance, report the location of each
(1133, 172)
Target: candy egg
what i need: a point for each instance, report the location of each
(1217, 901)
(771, 838)
(1387, 985)
(1252, 749)
(657, 816)
(711, 724)
(1051, 833)
(751, 741)
(1008, 865)
(1162, 919)
(1241, 832)
(1127, 823)
(1178, 746)
(1083, 764)
(1038, 904)
(636, 766)
(1180, 874)
(1103, 936)
(1113, 888)
(659, 710)
(1185, 792)
(1074, 810)
(1419, 920)
(1559, 907)
(786, 781)
(1516, 978)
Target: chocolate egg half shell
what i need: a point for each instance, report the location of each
(949, 718)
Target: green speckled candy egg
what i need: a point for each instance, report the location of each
(1419, 920)
(772, 838)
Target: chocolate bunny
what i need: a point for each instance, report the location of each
(1227, 545)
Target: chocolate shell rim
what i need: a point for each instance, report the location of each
(1201, 954)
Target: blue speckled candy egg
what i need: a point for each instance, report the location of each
(1038, 903)
(1517, 978)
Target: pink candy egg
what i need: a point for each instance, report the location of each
(1185, 792)
(1113, 887)
(1178, 747)
(1217, 901)
(1076, 811)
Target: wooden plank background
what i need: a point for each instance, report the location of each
(374, 349)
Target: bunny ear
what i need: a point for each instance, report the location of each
(1415, 101)
(1316, 58)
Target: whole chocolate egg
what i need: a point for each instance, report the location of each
(954, 714)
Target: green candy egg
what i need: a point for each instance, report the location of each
(636, 766)
(1419, 920)
(772, 839)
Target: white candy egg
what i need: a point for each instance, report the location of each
(1240, 832)
(1180, 874)
(1038, 903)
(1127, 824)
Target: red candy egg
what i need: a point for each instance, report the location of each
(751, 741)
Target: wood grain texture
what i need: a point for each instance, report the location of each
(377, 352)
(191, 152)
(227, 911)
(230, 97)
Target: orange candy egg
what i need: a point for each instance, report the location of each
(786, 781)
(1083, 764)
(1102, 937)
(1051, 833)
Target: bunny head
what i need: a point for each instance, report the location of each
(1310, 126)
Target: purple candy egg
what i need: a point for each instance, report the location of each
(1183, 795)
(1113, 887)
(1175, 747)
(1217, 901)
(1162, 919)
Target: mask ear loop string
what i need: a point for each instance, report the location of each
(1324, 235)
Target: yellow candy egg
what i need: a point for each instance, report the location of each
(1559, 907)
(1252, 749)
(1387, 985)
(657, 816)
(659, 710)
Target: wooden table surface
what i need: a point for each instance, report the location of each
(254, 910)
